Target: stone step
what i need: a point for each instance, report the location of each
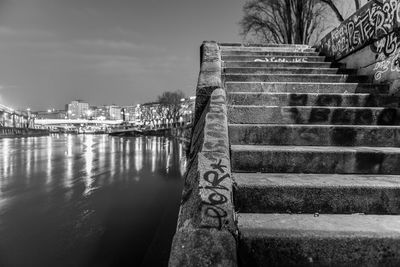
(264, 54)
(322, 193)
(313, 115)
(289, 59)
(313, 99)
(268, 49)
(315, 159)
(252, 64)
(324, 240)
(307, 87)
(263, 71)
(314, 135)
(250, 45)
(295, 48)
(321, 78)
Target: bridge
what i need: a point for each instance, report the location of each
(13, 118)
(56, 122)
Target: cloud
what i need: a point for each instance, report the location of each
(24, 32)
(7, 31)
(117, 45)
(4, 87)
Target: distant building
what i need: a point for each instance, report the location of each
(132, 113)
(78, 109)
(100, 113)
(114, 112)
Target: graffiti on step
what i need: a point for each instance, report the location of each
(277, 59)
(300, 48)
(372, 22)
(213, 205)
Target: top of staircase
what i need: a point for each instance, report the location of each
(262, 45)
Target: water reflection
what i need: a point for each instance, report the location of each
(88, 199)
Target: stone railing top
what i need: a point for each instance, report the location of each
(370, 23)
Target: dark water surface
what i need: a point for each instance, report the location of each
(94, 200)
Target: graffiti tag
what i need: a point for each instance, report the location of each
(213, 205)
(274, 59)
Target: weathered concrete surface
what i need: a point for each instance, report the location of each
(203, 247)
(274, 59)
(326, 78)
(324, 240)
(261, 71)
(315, 159)
(306, 87)
(314, 115)
(314, 144)
(209, 76)
(266, 53)
(258, 46)
(269, 48)
(313, 99)
(258, 64)
(317, 135)
(206, 229)
(310, 193)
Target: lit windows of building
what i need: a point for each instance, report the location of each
(78, 109)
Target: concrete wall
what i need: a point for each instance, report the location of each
(369, 42)
(206, 228)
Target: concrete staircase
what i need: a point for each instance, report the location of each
(316, 160)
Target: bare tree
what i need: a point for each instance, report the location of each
(357, 4)
(170, 105)
(149, 113)
(282, 21)
(334, 8)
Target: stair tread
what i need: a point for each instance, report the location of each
(309, 107)
(324, 225)
(302, 83)
(266, 56)
(287, 93)
(320, 149)
(316, 180)
(314, 125)
(260, 45)
(289, 74)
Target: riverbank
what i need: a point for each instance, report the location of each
(11, 132)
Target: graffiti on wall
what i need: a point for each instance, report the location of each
(217, 194)
(387, 51)
(372, 22)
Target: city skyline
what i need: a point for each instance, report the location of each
(123, 52)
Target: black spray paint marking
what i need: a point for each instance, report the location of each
(215, 200)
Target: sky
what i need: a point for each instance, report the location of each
(120, 52)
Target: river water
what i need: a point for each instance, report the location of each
(89, 200)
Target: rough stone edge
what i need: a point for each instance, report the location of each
(206, 232)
